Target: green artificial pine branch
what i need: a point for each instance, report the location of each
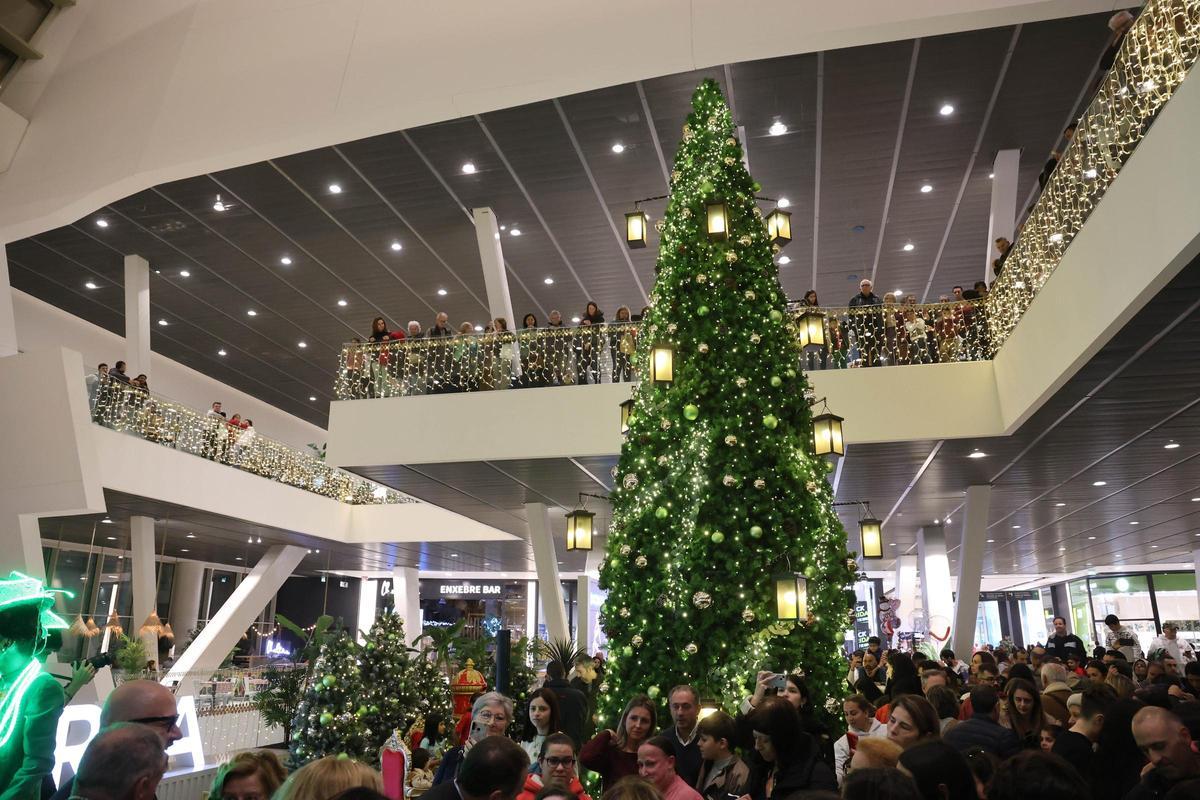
(717, 487)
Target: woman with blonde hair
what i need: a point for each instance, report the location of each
(328, 777)
(253, 774)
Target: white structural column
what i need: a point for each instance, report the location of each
(1003, 218)
(8, 320)
(187, 584)
(406, 591)
(137, 315)
(906, 592)
(491, 256)
(225, 629)
(1196, 563)
(141, 545)
(367, 605)
(545, 560)
(936, 592)
(583, 613)
(970, 569)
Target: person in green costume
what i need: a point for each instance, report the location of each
(31, 700)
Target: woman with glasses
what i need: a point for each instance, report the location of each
(494, 712)
(248, 776)
(555, 771)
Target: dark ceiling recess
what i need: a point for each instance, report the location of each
(549, 170)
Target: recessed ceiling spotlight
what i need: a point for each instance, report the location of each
(926, 188)
(1015, 527)
(455, 555)
(312, 398)
(286, 261)
(977, 453)
(183, 273)
(1134, 522)
(112, 538)
(343, 303)
(548, 280)
(250, 312)
(618, 148)
(909, 247)
(1059, 505)
(946, 110)
(479, 329)
(184, 550)
(1091, 538)
(777, 128)
(191, 536)
(396, 247)
(239, 558)
(898, 293)
(218, 205)
(1171, 445)
(302, 344)
(222, 352)
(575, 320)
(783, 202)
(335, 188)
(102, 223)
(91, 285)
(1099, 483)
(107, 521)
(515, 231)
(1154, 546)
(784, 260)
(503, 227)
(163, 323)
(468, 168)
(441, 292)
(991, 541)
(1196, 499)
(991, 175)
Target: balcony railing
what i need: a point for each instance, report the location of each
(122, 407)
(871, 336)
(1153, 60)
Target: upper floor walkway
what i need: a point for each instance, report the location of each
(1117, 220)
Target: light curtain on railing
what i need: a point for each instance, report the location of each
(1153, 60)
(132, 410)
(871, 336)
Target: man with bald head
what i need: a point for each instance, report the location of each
(146, 703)
(1166, 741)
(124, 762)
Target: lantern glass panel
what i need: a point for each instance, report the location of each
(827, 435)
(662, 363)
(635, 229)
(787, 597)
(812, 325)
(779, 226)
(626, 415)
(718, 221)
(579, 530)
(871, 531)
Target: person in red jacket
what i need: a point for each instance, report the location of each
(557, 762)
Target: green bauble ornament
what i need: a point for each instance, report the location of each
(653, 691)
(776, 381)
(706, 188)
(626, 651)
(614, 562)
(690, 412)
(810, 571)
(325, 718)
(343, 756)
(717, 537)
(771, 422)
(297, 736)
(791, 373)
(756, 531)
(374, 709)
(776, 315)
(361, 712)
(702, 311)
(329, 680)
(661, 512)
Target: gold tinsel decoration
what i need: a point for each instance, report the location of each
(113, 625)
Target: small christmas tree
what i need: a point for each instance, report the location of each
(399, 684)
(718, 488)
(330, 718)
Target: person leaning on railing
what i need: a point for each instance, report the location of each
(558, 350)
(587, 345)
(621, 346)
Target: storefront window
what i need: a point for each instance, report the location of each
(1081, 609)
(1127, 596)
(1175, 594)
(485, 607)
(987, 623)
(1033, 621)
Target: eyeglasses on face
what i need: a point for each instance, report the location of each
(166, 723)
(560, 761)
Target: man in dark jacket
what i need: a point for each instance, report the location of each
(1063, 645)
(572, 703)
(982, 729)
(684, 705)
(1167, 742)
(868, 327)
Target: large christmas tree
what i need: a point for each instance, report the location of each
(718, 489)
(330, 718)
(399, 684)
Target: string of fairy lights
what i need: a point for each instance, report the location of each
(132, 410)
(1154, 58)
(847, 337)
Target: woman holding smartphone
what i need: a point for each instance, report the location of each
(490, 716)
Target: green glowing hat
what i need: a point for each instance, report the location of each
(19, 589)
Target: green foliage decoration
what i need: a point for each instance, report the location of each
(717, 488)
